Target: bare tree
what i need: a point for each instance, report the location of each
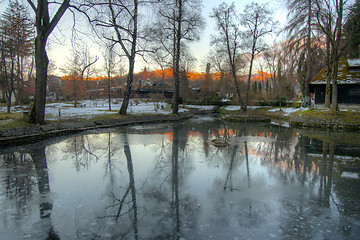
(300, 29)
(324, 18)
(44, 26)
(258, 22)
(87, 62)
(160, 54)
(109, 67)
(218, 60)
(187, 65)
(272, 57)
(294, 59)
(330, 16)
(121, 28)
(227, 41)
(178, 20)
(80, 68)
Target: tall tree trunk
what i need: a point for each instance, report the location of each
(130, 168)
(233, 73)
(328, 79)
(129, 81)
(336, 55)
(328, 67)
(177, 60)
(75, 89)
(163, 83)
(37, 114)
(8, 104)
(335, 106)
(109, 88)
(253, 48)
(328, 87)
(308, 57)
(11, 83)
(175, 202)
(249, 76)
(131, 58)
(44, 27)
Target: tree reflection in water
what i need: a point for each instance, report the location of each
(168, 182)
(80, 148)
(38, 155)
(121, 207)
(27, 179)
(131, 185)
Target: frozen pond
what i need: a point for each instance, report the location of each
(170, 182)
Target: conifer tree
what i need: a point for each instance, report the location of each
(17, 33)
(352, 31)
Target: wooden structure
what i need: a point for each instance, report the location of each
(348, 83)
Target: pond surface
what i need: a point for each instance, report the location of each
(170, 182)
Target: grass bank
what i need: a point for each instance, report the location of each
(346, 119)
(326, 119)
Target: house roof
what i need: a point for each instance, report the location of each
(354, 62)
(349, 73)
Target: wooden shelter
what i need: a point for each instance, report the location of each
(348, 83)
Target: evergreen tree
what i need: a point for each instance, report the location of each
(207, 86)
(352, 31)
(260, 86)
(267, 85)
(17, 35)
(255, 86)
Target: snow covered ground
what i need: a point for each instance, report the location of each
(288, 111)
(236, 108)
(90, 108)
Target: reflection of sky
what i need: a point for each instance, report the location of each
(81, 194)
(250, 197)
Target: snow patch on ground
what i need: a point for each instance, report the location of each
(354, 62)
(288, 111)
(350, 175)
(200, 107)
(89, 108)
(236, 108)
(281, 124)
(232, 108)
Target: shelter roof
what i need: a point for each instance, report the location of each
(349, 73)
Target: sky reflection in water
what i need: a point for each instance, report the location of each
(168, 181)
